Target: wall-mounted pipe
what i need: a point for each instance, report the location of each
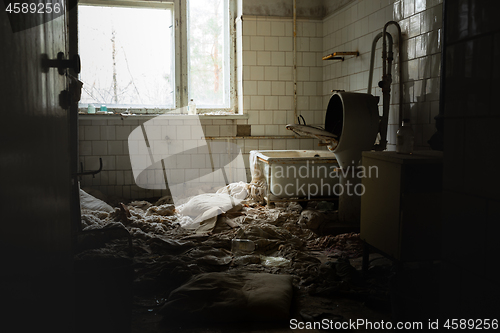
(390, 58)
(85, 173)
(295, 116)
(385, 84)
(372, 59)
(386, 97)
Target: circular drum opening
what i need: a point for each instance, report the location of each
(334, 119)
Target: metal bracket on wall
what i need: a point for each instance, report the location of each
(338, 55)
(93, 173)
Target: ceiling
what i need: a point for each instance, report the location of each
(305, 8)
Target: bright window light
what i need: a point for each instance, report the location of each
(208, 53)
(127, 56)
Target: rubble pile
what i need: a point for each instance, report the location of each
(170, 248)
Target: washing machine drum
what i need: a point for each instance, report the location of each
(332, 130)
(351, 124)
(334, 118)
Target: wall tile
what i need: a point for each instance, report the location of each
(285, 43)
(285, 73)
(257, 73)
(408, 8)
(212, 130)
(84, 122)
(414, 28)
(420, 5)
(257, 103)
(249, 58)
(264, 58)
(285, 102)
(250, 87)
(302, 44)
(85, 148)
(253, 117)
(278, 88)
(257, 43)
(278, 58)
(292, 144)
(108, 132)
(271, 72)
(271, 102)
(122, 132)
(269, 130)
(258, 130)
(92, 133)
(249, 27)
(81, 133)
(228, 130)
(263, 28)
(99, 122)
(264, 88)
(279, 144)
(277, 28)
(115, 147)
(99, 148)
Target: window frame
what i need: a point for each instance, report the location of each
(181, 57)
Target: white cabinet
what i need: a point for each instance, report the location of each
(401, 206)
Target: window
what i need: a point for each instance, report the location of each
(139, 55)
(208, 45)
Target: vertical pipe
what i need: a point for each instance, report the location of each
(400, 53)
(386, 90)
(372, 57)
(295, 116)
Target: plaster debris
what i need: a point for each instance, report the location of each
(173, 245)
(164, 210)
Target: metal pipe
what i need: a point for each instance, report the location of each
(400, 53)
(93, 173)
(372, 59)
(295, 61)
(386, 96)
(385, 84)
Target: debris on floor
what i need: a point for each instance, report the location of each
(177, 247)
(229, 297)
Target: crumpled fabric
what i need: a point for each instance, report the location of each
(237, 190)
(90, 202)
(206, 206)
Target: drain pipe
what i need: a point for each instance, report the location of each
(386, 94)
(388, 81)
(372, 60)
(385, 84)
(295, 116)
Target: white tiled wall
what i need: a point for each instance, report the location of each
(108, 139)
(268, 85)
(353, 29)
(268, 89)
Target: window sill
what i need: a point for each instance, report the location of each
(151, 116)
